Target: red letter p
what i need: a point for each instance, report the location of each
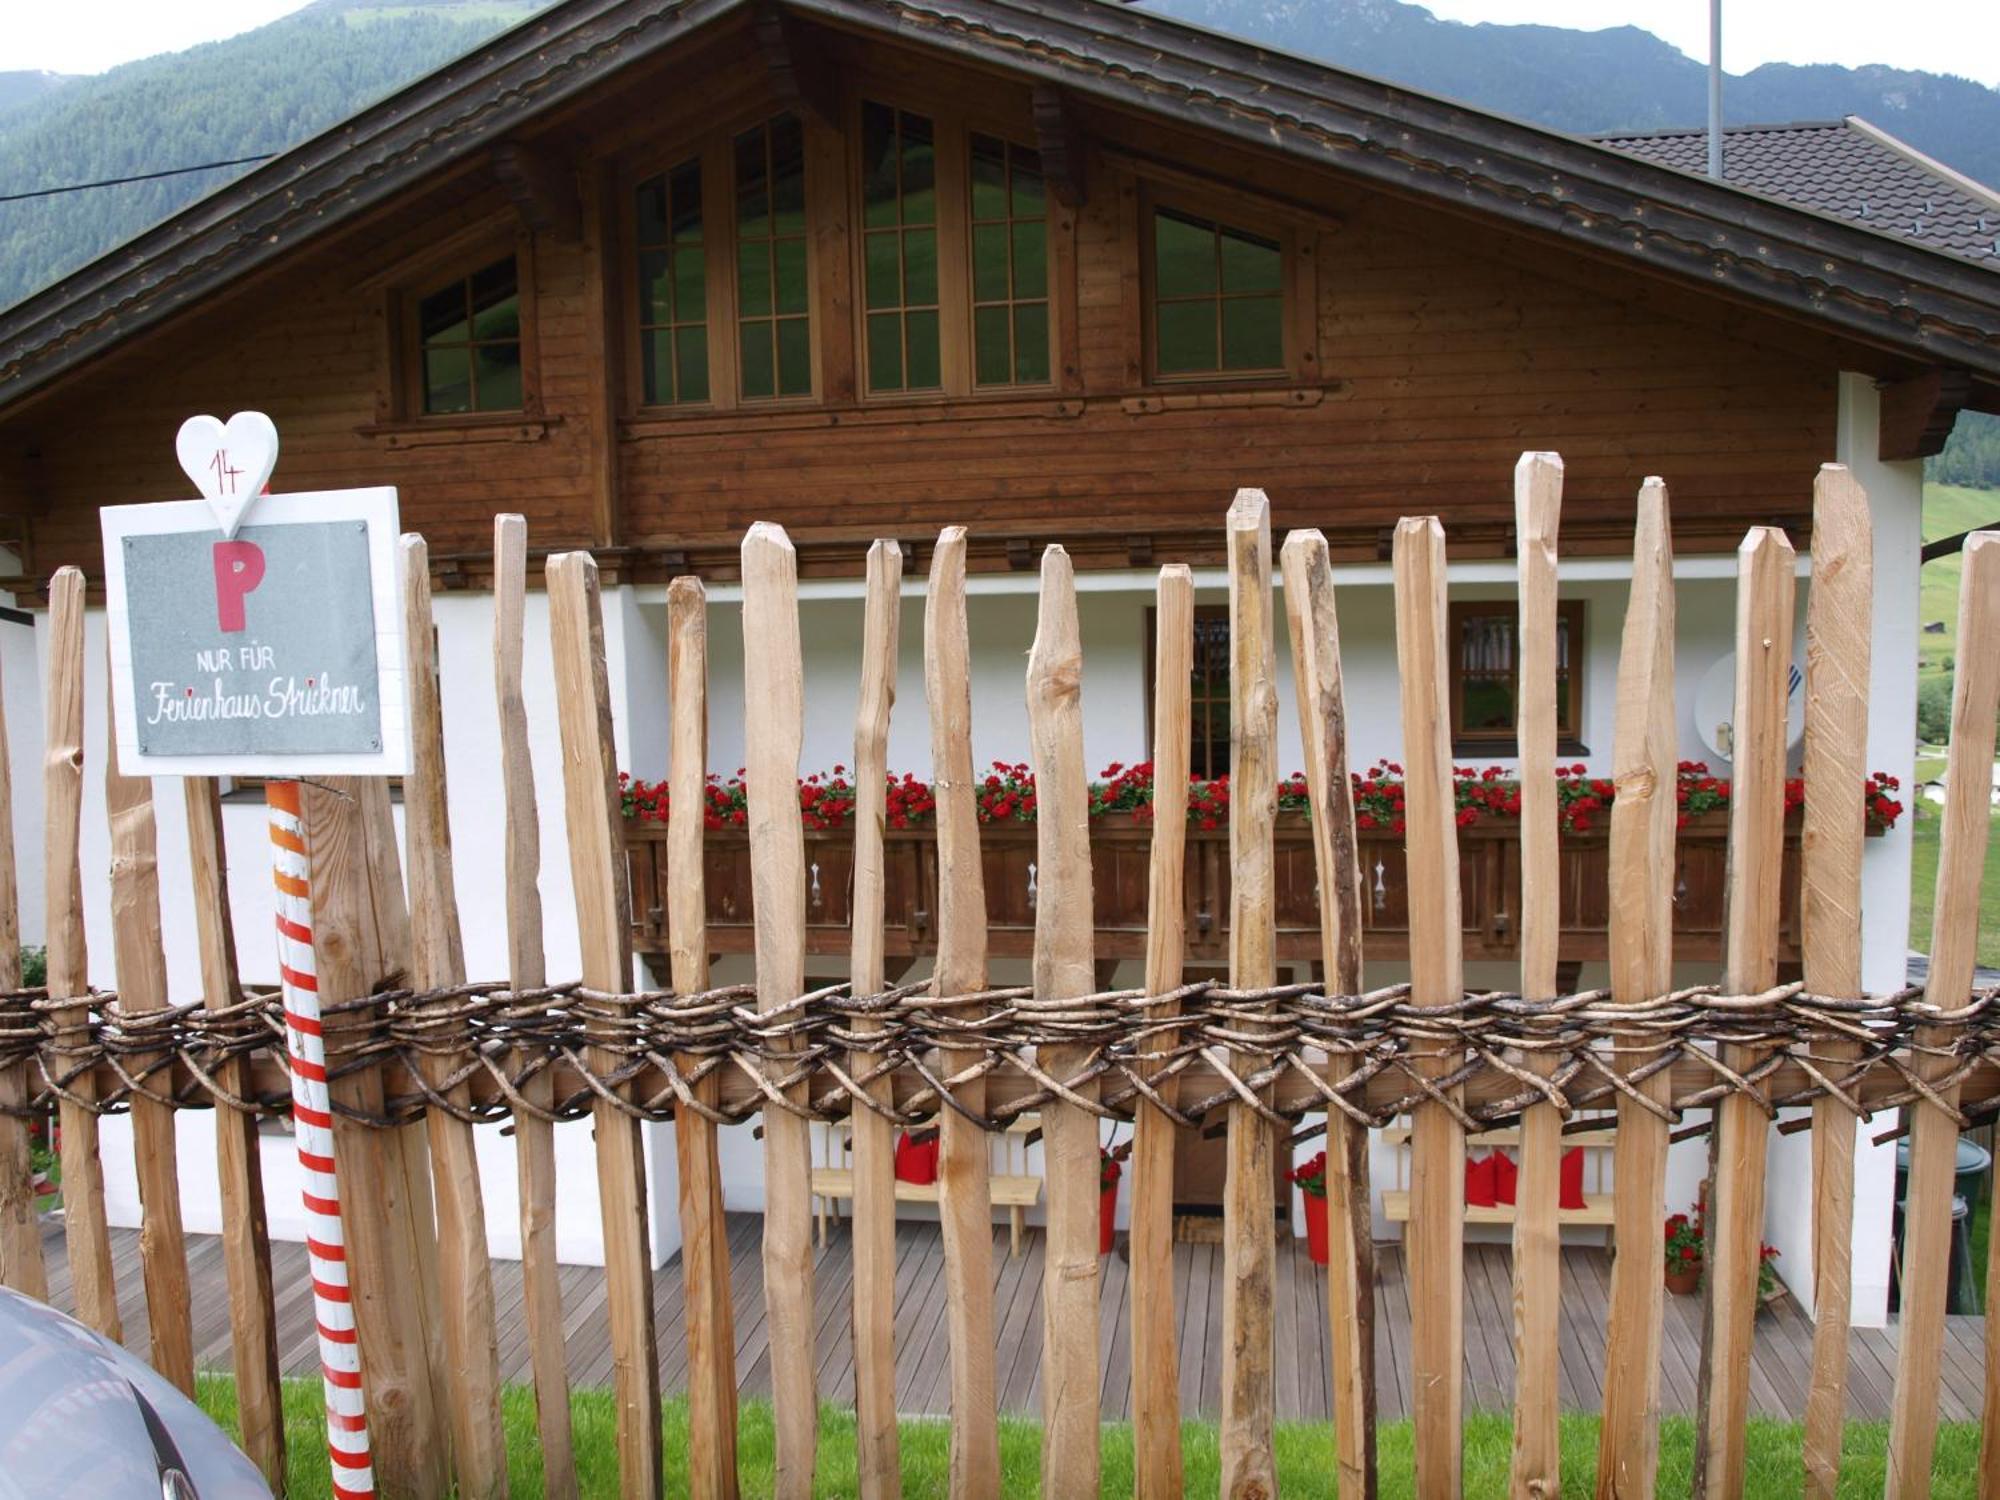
(239, 568)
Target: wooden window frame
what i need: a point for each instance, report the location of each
(952, 129)
(457, 260)
(1297, 281)
(943, 181)
(777, 398)
(1572, 613)
(715, 149)
(1011, 302)
(637, 326)
(1202, 612)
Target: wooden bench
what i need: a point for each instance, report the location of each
(1596, 1212)
(1015, 1191)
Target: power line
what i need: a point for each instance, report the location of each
(80, 187)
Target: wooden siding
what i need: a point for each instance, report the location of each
(1444, 346)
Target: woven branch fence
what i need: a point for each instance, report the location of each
(418, 1058)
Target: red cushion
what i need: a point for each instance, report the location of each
(1506, 1178)
(916, 1160)
(1479, 1182)
(1572, 1178)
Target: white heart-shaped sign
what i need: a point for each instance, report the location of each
(229, 462)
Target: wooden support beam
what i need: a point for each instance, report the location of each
(1059, 138)
(800, 77)
(542, 188)
(1918, 413)
(20, 1234)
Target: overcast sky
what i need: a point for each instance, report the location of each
(1944, 36)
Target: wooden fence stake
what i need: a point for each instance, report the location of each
(603, 919)
(1350, 1263)
(1954, 939)
(874, 1135)
(1838, 611)
(1643, 819)
(1738, 1143)
(534, 1137)
(965, 1201)
(1537, 1458)
(20, 1236)
(1156, 1397)
(1063, 970)
(246, 1234)
(1249, 1204)
(1435, 1241)
(709, 1316)
(356, 932)
(141, 963)
(465, 1281)
(774, 730)
(88, 1235)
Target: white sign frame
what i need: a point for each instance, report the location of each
(377, 509)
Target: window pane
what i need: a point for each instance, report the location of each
(989, 178)
(441, 315)
(791, 256)
(753, 279)
(691, 364)
(1187, 337)
(1184, 256)
(989, 262)
(691, 286)
(656, 366)
(1249, 264)
(878, 165)
(885, 351)
(920, 267)
(655, 288)
(921, 335)
(1031, 273)
(754, 350)
(686, 204)
(497, 372)
(448, 380)
(753, 205)
(501, 320)
(788, 175)
(1488, 704)
(1031, 343)
(1253, 335)
(794, 357)
(991, 354)
(650, 205)
(884, 270)
(919, 170)
(1028, 198)
(493, 285)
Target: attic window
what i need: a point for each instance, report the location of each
(1218, 298)
(673, 287)
(469, 343)
(899, 249)
(773, 310)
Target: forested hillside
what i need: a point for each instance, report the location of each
(1619, 79)
(1971, 456)
(263, 91)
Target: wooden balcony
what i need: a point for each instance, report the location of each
(1489, 880)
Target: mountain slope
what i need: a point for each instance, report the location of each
(262, 91)
(1619, 79)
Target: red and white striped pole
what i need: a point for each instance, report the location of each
(312, 1120)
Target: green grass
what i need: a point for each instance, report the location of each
(1948, 510)
(1304, 1452)
(1923, 884)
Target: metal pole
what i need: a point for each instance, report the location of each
(1715, 89)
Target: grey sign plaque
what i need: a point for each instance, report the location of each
(263, 644)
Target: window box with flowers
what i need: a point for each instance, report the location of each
(1121, 806)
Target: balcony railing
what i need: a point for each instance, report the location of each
(1489, 881)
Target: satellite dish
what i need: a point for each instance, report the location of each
(1715, 708)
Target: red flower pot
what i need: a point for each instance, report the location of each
(1684, 1283)
(1107, 1216)
(1316, 1228)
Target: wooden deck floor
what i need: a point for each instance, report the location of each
(1783, 1355)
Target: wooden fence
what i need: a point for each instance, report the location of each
(419, 1058)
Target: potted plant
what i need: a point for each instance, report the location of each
(1311, 1178)
(1684, 1253)
(1769, 1288)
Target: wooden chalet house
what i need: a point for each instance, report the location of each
(651, 270)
